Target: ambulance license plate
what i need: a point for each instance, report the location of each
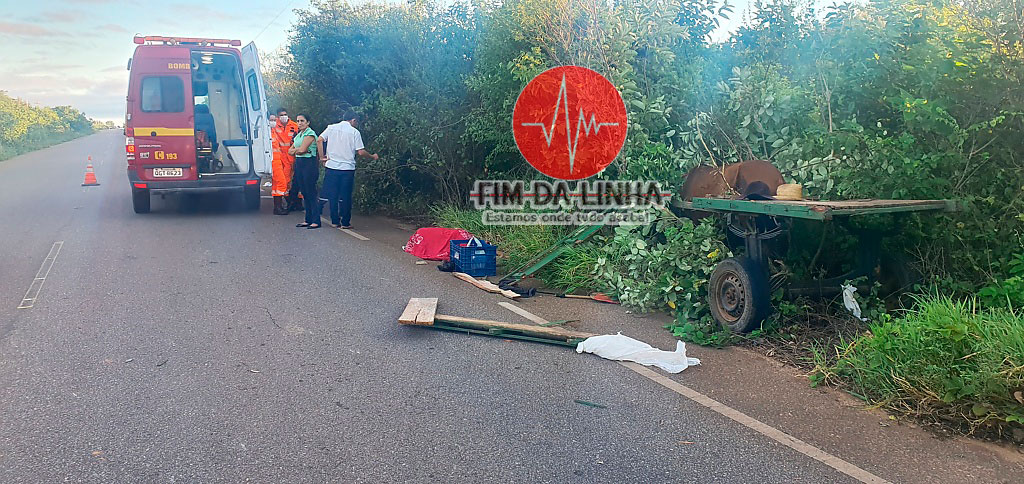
(162, 172)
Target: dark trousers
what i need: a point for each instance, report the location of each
(293, 192)
(338, 190)
(306, 175)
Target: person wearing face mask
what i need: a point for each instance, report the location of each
(282, 134)
(307, 172)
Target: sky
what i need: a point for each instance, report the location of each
(75, 52)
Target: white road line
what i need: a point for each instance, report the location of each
(44, 270)
(524, 313)
(735, 415)
(354, 234)
(347, 231)
(758, 426)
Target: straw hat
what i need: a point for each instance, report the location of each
(790, 191)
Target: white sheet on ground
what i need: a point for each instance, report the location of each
(623, 348)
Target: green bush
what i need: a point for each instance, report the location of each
(24, 127)
(404, 68)
(1007, 292)
(883, 99)
(946, 360)
(665, 266)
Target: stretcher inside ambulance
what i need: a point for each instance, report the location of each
(196, 119)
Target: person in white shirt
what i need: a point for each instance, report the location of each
(344, 145)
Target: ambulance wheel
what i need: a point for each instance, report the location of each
(252, 198)
(739, 294)
(140, 200)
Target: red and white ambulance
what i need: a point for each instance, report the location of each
(196, 119)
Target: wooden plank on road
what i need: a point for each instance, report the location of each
(426, 314)
(420, 310)
(486, 285)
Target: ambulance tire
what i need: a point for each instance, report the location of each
(140, 200)
(252, 198)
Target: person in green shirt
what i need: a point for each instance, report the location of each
(306, 170)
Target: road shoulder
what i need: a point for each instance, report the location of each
(776, 394)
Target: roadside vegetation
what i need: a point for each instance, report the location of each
(24, 127)
(906, 99)
(947, 360)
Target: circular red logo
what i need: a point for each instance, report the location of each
(569, 122)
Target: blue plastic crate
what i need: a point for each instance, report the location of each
(477, 260)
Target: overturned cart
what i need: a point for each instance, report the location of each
(739, 288)
(743, 195)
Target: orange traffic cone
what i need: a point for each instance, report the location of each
(90, 176)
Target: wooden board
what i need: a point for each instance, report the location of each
(419, 311)
(528, 329)
(818, 209)
(422, 312)
(862, 203)
(486, 285)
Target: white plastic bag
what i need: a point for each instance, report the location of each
(850, 302)
(623, 348)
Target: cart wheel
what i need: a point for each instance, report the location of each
(739, 294)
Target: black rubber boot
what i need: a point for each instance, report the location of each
(279, 206)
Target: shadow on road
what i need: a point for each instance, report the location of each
(197, 204)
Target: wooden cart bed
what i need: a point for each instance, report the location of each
(818, 210)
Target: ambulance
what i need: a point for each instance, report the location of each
(196, 119)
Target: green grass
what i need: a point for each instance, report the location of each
(574, 269)
(37, 142)
(945, 360)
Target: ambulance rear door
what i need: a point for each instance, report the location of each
(259, 126)
(160, 103)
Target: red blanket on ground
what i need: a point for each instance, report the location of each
(431, 243)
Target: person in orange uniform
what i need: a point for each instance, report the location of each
(282, 134)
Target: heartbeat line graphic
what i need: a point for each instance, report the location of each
(581, 123)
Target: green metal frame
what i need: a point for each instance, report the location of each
(755, 235)
(809, 212)
(544, 258)
(503, 333)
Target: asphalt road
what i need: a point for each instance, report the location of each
(201, 344)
